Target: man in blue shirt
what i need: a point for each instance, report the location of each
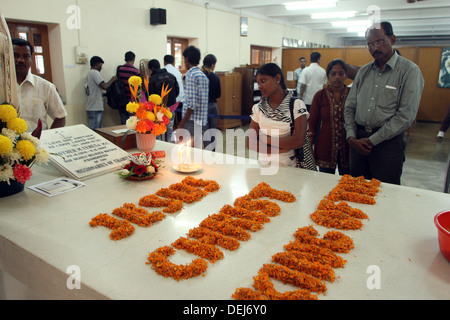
(196, 90)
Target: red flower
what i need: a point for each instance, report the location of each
(140, 170)
(154, 165)
(149, 106)
(150, 125)
(22, 173)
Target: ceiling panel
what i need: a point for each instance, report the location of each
(415, 22)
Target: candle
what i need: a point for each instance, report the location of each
(188, 151)
(180, 154)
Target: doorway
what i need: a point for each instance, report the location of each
(37, 35)
(175, 47)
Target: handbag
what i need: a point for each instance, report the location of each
(303, 156)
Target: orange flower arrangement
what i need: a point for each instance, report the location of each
(120, 228)
(199, 248)
(294, 277)
(237, 222)
(159, 262)
(315, 253)
(226, 228)
(212, 237)
(316, 269)
(263, 284)
(243, 213)
(269, 208)
(171, 205)
(139, 216)
(150, 116)
(264, 190)
(208, 185)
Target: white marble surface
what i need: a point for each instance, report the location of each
(41, 237)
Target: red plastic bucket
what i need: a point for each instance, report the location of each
(442, 222)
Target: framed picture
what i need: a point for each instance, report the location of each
(444, 71)
(244, 26)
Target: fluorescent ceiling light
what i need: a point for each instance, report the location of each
(312, 4)
(356, 29)
(354, 23)
(333, 15)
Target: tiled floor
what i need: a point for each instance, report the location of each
(426, 156)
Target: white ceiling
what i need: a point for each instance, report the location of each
(414, 21)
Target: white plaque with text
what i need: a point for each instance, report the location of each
(81, 153)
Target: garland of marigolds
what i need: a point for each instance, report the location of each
(225, 229)
(308, 261)
(189, 190)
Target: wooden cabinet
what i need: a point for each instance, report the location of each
(115, 135)
(230, 101)
(250, 91)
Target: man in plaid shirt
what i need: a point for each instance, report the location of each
(195, 106)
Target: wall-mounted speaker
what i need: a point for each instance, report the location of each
(157, 16)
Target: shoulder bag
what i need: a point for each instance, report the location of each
(303, 155)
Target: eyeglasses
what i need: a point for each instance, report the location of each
(377, 43)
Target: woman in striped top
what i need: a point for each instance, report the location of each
(270, 132)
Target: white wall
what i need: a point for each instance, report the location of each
(109, 28)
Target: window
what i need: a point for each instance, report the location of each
(260, 55)
(175, 47)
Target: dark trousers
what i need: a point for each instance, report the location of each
(385, 162)
(342, 171)
(446, 122)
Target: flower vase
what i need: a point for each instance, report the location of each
(145, 142)
(12, 188)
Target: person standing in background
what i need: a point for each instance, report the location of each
(445, 124)
(312, 79)
(38, 97)
(124, 72)
(94, 86)
(298, 72)
(169, 61)
(326, 122)
(195, 107)
(158, 80)
(209, 64)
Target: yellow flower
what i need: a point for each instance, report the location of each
(135, 81)
(18, 125)
(151, 116)
(132, 107)
(7, 112)
(6, 145)
(156, 99)
(167, 113)
(26, 149)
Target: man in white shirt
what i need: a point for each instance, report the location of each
(312, 79)
(169, 66)
(94, 86)
(38, 97)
